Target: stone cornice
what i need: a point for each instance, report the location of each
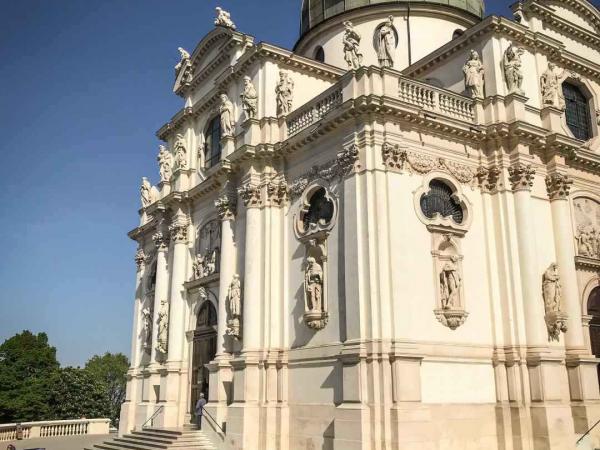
(553, 48)
(583, 7)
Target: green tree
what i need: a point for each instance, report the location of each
(111, 369)
(74, 393)
(26, 362)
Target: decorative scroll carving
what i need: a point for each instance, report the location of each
(399, 158)
(179, 232)
(488, 178)
(226, 207)
(162, 337)
(587, 223)
(521, 177)
(180, 153)
(250, 194)
(474, 75)
(513, 71)
(224, 19)
(284, 94)
(337, 169)
(277, 193)
(234, 308)
(165, 164)
(558, 185)
(351, 44)
(450, 304)
(249, 99)
(556, 320)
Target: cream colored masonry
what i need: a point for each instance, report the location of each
(390, 368)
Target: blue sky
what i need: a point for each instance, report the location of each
(85, 85)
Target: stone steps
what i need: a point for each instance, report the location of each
(159, 439)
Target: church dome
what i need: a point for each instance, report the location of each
(316, 11)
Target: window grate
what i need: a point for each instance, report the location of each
(439, 201)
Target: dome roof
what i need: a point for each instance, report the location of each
(316, 11)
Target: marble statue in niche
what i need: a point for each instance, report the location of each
(163, 328)
(450, 283)
(556, 321)
(351, 42)
(284, 94)
(249, 99)
(234, 304)
(165, 164)
(313, 284)
(474, 75)
(226, 113)
(513, 70)
(180, 153)
(147, 314)
(386, 43)
(224, 19)
(551, 86)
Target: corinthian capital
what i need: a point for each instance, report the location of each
(226, 207)
(250, 194)
(521, 177)
(277, 192)
(558, 185)
(161, 241)
(179, 232)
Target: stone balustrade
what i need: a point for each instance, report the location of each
(55, 428)
(413, 92)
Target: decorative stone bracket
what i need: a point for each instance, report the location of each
(556, 322)
(451, 318)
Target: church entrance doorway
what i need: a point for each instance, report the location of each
(204, 351)
(593, 307)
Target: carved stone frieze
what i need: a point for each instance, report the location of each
(335, 170)
(558, 185)
(521, 177)
(399, 158)
(277, 192)
(250, 194)
(226, 206)
(587, 224)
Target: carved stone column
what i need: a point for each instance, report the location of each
(137, 337)
(521, 179)
(580, 364)
(161, 289)
(251, 195)
(226, 207)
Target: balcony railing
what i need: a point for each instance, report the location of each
(413, 92)
(54, 428)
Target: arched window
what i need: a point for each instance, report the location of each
(440, 200)
(212, 146)
(320, 54)
(577, 112)
(207, 315)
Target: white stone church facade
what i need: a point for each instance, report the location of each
(388, 238)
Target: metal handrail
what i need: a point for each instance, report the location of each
(587, 432)
(214, 420)
(153, 416)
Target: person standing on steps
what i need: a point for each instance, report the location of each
(200, 404)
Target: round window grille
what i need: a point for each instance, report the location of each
(439, 201)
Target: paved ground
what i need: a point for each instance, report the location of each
(58, 443)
